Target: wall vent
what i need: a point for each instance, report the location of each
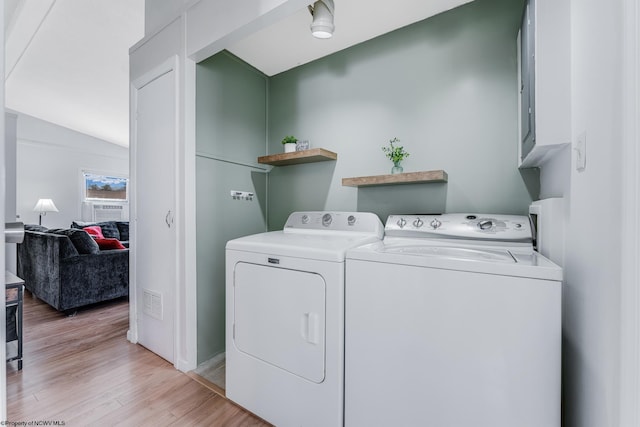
(152, 304)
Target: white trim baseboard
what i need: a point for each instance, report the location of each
(629, 398)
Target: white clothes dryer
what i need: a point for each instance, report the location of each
(452, 320)
(285, 317)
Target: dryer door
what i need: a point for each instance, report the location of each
(280, 318)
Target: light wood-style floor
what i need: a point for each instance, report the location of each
(81, 370)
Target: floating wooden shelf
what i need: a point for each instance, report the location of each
(396, 179)
(298, 157)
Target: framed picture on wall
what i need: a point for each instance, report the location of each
(303, 145)
(103, 187)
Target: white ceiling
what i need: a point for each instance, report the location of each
(289, 43)
(67, 61)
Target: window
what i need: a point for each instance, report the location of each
(104, 187)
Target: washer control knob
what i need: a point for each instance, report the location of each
(305, 219)
(401, 222)
(326, 220)
(351, 220)
(435, 223)
(518, 225)
(418, 223)
(485, 224)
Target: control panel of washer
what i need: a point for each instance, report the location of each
(515, 228)
(361, 222)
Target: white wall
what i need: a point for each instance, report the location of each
(201, 29)
(213, 25)
(158, 13)
(50, 161)
(3, 367)
(10, 152)
(10, 148)
(145, 58)
(451, 104)
(591, 298)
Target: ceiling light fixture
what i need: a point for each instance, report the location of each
(322, 26)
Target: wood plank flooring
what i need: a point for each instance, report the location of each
(81, 370)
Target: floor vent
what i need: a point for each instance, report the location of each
(152, 304)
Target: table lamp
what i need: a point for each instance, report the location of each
(43, 206)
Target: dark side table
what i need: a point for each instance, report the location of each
(14, 293)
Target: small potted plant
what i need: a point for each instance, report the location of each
(289, 143)
(396, 154)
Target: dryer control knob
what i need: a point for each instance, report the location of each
(327, 219)
(401, 222)
(435, 224)
(418, 223)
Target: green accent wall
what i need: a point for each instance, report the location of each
(231, 126)
(446, 87)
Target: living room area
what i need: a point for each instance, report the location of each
(67, 122)
(64, 167)
(66, 128)
(66, 131)
(66, 112)
(79, 366)
(67, 117)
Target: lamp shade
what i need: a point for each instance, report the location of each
(45, 205)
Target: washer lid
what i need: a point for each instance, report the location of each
(456, 255)
(472, 254)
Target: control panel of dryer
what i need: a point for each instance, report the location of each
(358, 222)
(508, 228)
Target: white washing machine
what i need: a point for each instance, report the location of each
(285, 317)
(452, 320)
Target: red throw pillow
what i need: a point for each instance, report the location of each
(95, 231)
(109, 243)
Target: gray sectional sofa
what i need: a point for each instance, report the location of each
(67, 269)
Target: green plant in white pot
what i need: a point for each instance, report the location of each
(289, 143)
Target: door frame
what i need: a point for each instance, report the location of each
(169, 65)
(629, 374)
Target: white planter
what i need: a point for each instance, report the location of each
(289, 148)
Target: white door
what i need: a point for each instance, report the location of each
(155, 234)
